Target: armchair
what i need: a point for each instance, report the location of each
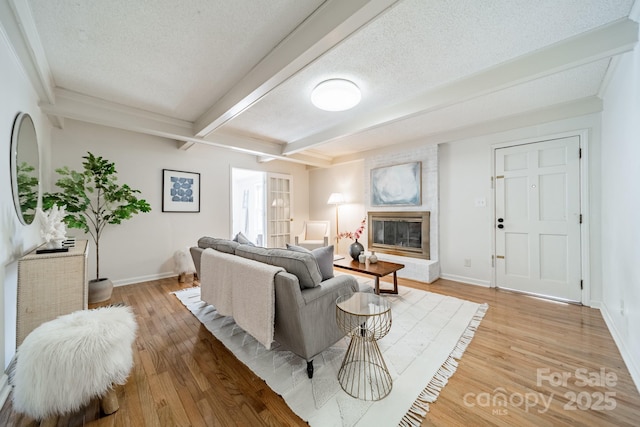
(315, 234)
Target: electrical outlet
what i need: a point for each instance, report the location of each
(467, 262)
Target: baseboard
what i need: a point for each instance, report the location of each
(132, 280)
(5, 388)
(467, 280)
(627, 356)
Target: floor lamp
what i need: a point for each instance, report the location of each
(336, 199)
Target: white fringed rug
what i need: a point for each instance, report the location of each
(429, 334)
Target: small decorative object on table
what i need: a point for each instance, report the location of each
(52, 226)
(355, 248)
(373, 258)
(362, 258)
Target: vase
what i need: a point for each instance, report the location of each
(373, 258)
(100, 290)
(354, 250)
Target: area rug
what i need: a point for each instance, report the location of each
(428, 336)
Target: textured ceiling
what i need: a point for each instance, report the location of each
(171, 57)
(419, 45)
(413, 61)
(556, 89)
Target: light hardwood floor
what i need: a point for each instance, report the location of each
(183, 376)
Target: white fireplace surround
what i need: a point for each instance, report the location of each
(415, 269)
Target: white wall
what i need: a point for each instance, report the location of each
(347, 179)
(466, 230)
(17, 96)
(142, 248)
(464, 168)
(620, 208)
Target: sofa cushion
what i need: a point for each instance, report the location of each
(222, 245)
(323, 256)
(302, 265)
(242, 239)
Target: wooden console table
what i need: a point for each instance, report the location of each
(50, 285)
(378, 269)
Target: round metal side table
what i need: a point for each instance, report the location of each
(366, 318)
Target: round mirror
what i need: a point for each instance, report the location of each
(25, 168)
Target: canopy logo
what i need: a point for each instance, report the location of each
(500, 401)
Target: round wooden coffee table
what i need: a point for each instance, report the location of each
(366, 318)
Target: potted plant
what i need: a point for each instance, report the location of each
(93, 199)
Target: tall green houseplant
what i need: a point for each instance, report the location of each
(94, 199)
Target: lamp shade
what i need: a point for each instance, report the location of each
(335, 199)
(336, 95)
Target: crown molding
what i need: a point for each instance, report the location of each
(21, 32)
(603, 42)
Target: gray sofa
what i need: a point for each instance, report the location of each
(305, 312)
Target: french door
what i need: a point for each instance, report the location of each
(537, 222)
(279, 203)
(261, 206)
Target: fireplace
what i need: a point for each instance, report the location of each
(403, 233)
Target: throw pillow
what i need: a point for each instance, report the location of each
(242, 239)
(323, 256)
(222, 245)
(302, 265)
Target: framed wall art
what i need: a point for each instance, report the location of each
(180, 191)
(397, 185)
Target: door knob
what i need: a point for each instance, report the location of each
(500, 220)
(500, 226)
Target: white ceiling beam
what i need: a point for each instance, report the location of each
(331, 23)
(264, 159)
(20, 29)
(75, 106)
(616, 38)
(566, 110)
(310, 160)
(185, 145)
(88, 109)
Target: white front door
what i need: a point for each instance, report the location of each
(537, 221)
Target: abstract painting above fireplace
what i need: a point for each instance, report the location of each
(403, 233)
(397, 185)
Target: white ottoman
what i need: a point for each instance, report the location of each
(64, 363)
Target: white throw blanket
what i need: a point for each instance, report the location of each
(243, 289)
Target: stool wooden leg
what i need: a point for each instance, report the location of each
(52, 421)
(109, 402)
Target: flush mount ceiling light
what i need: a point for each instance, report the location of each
(336, 95)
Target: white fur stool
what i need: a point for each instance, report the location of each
(184, 265)
(64, 363)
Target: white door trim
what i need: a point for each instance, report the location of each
(583, 134)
